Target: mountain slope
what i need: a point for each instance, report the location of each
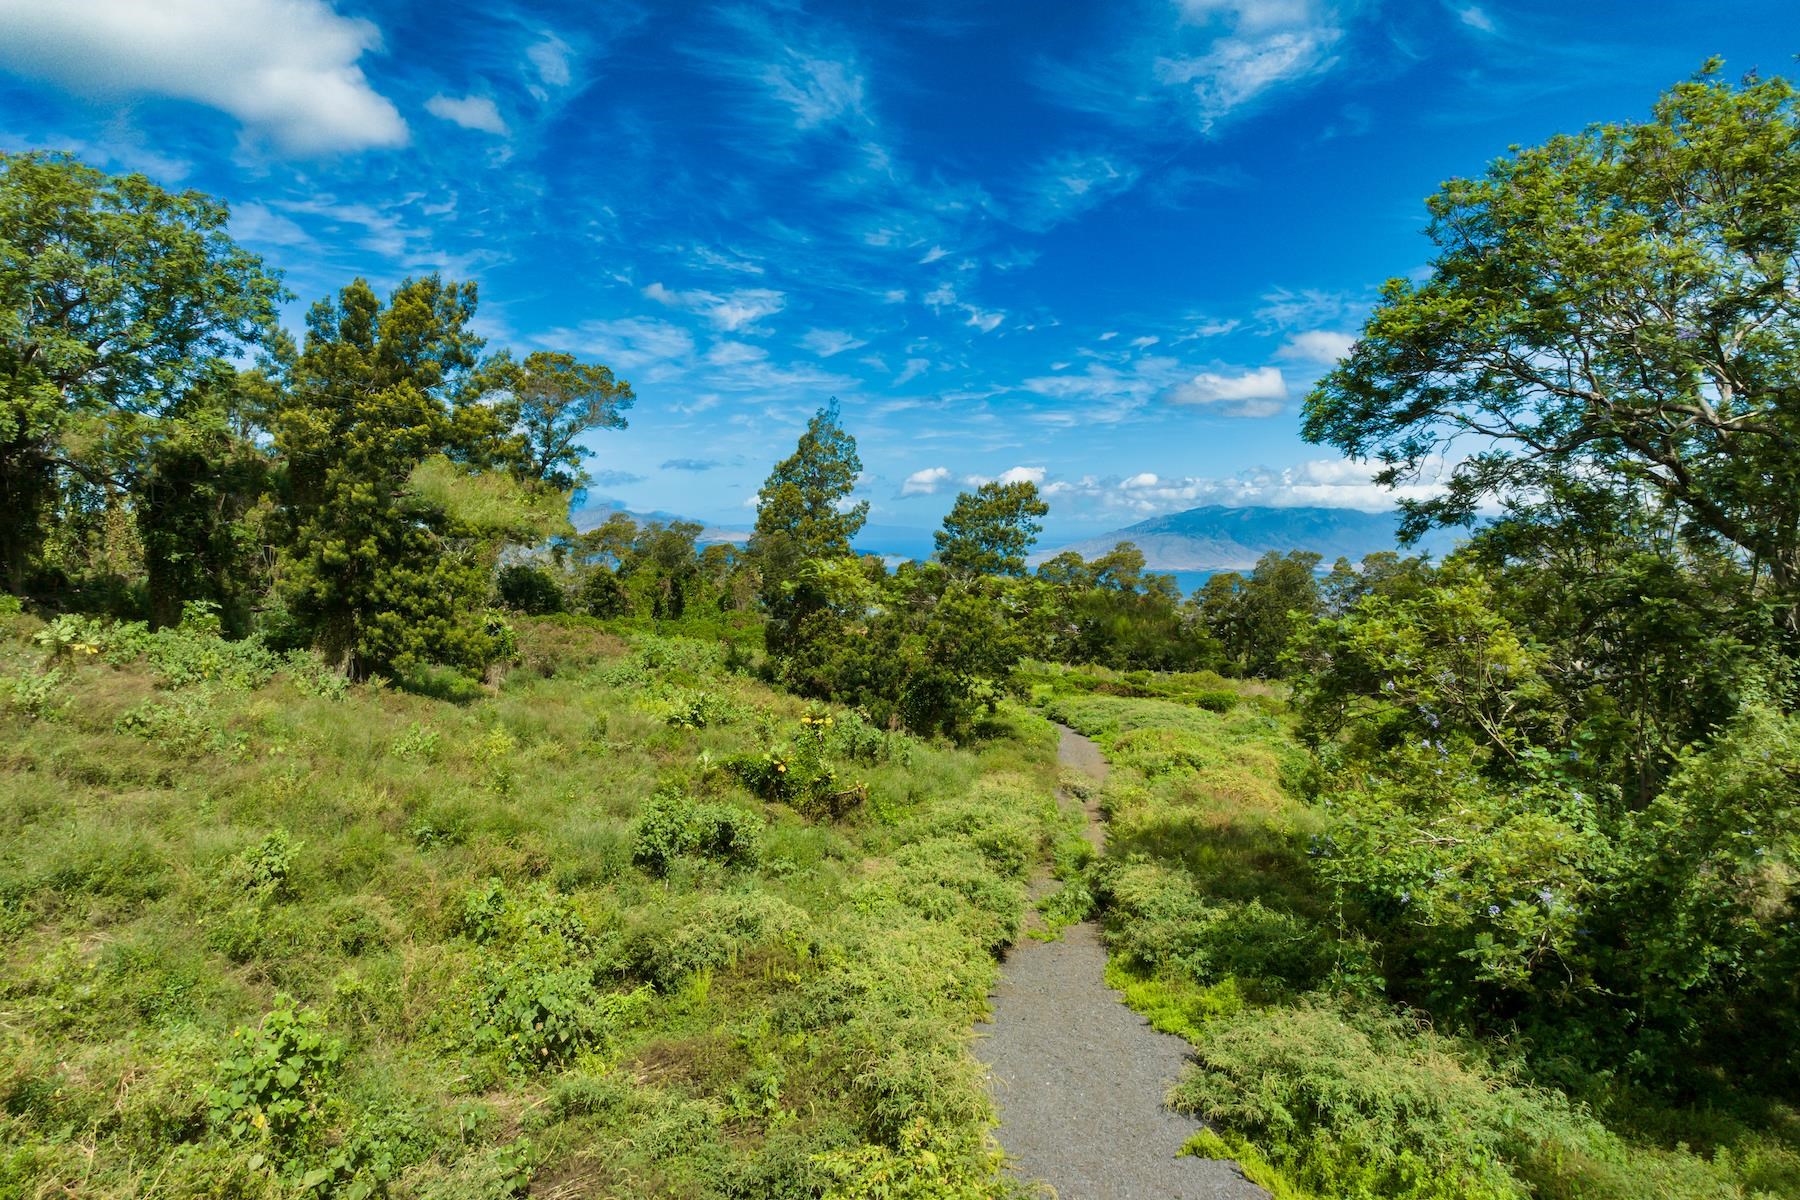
(1216, 538)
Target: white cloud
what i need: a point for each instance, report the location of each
(551, 59)
(819, 91)
(1321, 346)
(914, 368)
(734, 354)
(1022, 475)
(1145, 342)
(1258, 393)
(258, 225)
(735, 311)
(1068, 184)
(827, 342)
(1475, 17)
(1325, 483)
(471, 112)
(1109, 335)
(1216, 328)
(925, 482)
(987, 322)
(933, 254)
(1306, 309)
(286, 69)
(630, 344)
(1255, 47)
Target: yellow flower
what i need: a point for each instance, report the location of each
(260, 1121)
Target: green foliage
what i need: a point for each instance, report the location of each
(1530, 335)
(670, 825)
(117, 298)
(528, 589)
(799, 772)
(557, 398)
(1255, 618)
(275, 1087)
(989, 531)
(920, 1168)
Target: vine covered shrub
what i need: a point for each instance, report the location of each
(670, 825)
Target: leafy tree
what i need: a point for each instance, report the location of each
(801, 510)
(383, 575)
(1254, 617)
(989, 531)
(117, 299)
(557, 399)
(1615, 306)
(804, 515)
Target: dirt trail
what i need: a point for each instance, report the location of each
(1079, 1078)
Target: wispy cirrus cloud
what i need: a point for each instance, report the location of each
(735, 311)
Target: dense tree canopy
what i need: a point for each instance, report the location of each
(1615, 306)
(990, 530)
(118, 299)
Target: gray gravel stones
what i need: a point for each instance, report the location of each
(1079, 1078)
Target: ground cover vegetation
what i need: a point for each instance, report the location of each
(600, 930)
(371, 829)
(1501, 899)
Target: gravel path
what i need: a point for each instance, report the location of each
(1079, 1078)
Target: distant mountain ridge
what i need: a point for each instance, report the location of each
(1217, 538)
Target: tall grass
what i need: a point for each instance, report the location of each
(264, 939)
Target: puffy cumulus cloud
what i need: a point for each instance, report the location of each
(926, 481)
(479, 113)
(736, 311)
(1259, 393)
(827, 342)
(286, 69)
(1319, 346)
(1034, 475)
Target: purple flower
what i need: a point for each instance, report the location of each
(1493, 910)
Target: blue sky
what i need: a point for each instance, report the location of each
(1107, 246)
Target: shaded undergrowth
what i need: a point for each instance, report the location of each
(1219, 931)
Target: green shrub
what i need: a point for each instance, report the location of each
(670, 825)
(274, 1088)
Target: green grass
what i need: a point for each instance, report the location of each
(264, 940)
(1218, 932)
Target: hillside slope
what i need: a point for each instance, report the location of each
(1216, 538)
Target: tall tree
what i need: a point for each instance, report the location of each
(117, 298)
(558, 398)
(990, 530)
(382, 572)
(1616, 307)
(803, 512)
